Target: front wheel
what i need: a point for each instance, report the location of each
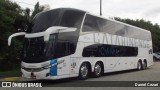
(83, 71)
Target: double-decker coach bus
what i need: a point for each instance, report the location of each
(66, 42)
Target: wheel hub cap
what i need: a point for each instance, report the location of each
(84, 71)
(98, 69)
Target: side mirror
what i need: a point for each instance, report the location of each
(14, 35)
(57, 29)
(46, 34)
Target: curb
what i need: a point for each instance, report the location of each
(11, 79)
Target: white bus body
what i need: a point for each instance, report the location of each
(82, 44)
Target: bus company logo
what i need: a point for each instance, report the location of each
(6, 84)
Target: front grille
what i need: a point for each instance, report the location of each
(32, 69)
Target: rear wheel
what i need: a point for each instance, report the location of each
(144, 65)
(139, 65)
(97, 69)
(83, 71)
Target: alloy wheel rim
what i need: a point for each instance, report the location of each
(145, 65)
(139, 65)
(84, 71)
(98, 69)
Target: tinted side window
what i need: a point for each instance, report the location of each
(90, 51)
(64, 48)
(72, 19)
(90, 24)
(102, 24)
(102, 50)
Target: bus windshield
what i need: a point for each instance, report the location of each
(57, 17)
(37, 50)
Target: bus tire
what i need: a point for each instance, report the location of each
(83, 71)
(97, 69)
(144, 65)
(139, 65)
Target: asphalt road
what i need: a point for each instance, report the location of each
(150, 74)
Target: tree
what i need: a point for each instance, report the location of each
(8, 13)
(38, 8)
(22, 21)
(13, 19)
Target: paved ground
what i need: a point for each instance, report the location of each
(150, 74)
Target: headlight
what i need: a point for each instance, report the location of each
(49, 66)
(46, 67)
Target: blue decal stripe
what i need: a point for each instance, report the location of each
(53, 69)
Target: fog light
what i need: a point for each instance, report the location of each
(48, 74)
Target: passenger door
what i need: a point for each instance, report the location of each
(63, 52)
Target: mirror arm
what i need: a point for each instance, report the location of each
(14, 35)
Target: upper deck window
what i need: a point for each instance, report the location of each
(93, 23)
(72, 19)
(90, 24)
(56, 17)
(44, 20)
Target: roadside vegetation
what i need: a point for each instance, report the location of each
(14, 19)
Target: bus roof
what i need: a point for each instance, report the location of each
(118, 22)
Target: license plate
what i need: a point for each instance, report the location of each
(33, 76)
